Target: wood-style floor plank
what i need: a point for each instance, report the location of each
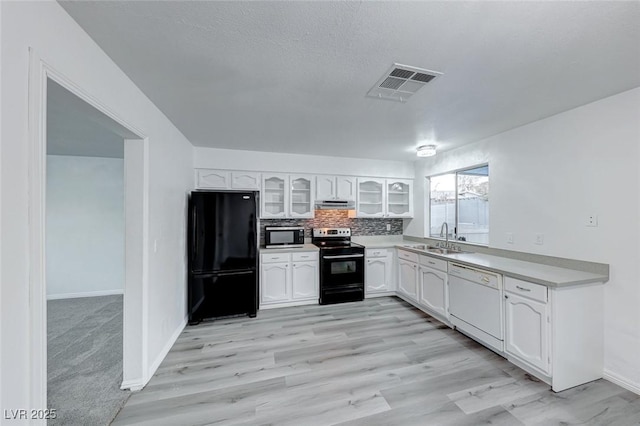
(377, 362)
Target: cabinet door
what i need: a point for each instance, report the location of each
(346, 188)
(399, 198)
(274, 197)
(407, 284)
(245, 180)
(377, 275)
(275, 283)
(433, 290)
(371, 199)
(213, 179)
(527, 331)
(301, 196)
(325, 187)
(304, 280)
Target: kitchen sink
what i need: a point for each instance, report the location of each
(416, 246)
(440, 250)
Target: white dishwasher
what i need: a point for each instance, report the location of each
(475, 304)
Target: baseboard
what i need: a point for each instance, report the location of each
(621, 381)
(84, 294)
(165, 350)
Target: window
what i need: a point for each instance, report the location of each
(461, 199)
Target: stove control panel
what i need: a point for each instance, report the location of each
(331, 232)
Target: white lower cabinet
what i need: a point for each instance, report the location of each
(378, 273)
(304, 280)
(526, 329)
(274, 282)
(408, 274)
(288, 279)
(433, 292)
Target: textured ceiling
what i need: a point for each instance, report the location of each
(292, 76)
(76, 128)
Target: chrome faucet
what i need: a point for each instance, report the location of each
(445, 229)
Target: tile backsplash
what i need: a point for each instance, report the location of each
(337, 219)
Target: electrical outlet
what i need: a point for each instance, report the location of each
(388, 227)
(592, 220)
(509, 237)
(540, 239)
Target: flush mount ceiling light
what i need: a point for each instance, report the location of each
(401, 82)
(426, 151)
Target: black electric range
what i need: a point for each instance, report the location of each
(341, 266)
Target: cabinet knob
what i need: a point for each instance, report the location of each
(506, 296)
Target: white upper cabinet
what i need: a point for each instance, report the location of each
(371, 197)
(227, 179)
(346, 188)
(399, 198)
(214, 179)
(301, 197)
(274, 199)
(335, 187)
(385, 198)
(325, 187)
(245, 180)
(285, 196)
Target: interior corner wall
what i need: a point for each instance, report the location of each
(547, 177)
(85, 226)
(59, 41)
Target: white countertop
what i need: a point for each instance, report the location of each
(385, 241)
(306, 247)
(551, 276)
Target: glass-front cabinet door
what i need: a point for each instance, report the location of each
(399, 198)
(302, 196)
(274, 198)
(371, 197)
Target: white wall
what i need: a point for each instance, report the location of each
(85, 226)
(546, 177)
(59, 41)
(296, 163)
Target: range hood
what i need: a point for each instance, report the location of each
(335, 204)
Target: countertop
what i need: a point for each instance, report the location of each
(306, 247)
(383, 241)
(550, 276)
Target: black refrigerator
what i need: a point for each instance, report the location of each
(223, 246)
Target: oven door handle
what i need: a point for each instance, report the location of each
(346, 256)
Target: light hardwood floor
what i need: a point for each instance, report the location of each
(377, 362)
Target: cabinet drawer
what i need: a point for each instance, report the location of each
(526, 289)
(304, 256)
(376, 252)
(275, 257)
(407, 255)
(434, 263)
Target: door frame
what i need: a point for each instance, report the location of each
(136, 188)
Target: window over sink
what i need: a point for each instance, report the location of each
(461, 200)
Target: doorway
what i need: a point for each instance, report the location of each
(135, 166)
(85, 260)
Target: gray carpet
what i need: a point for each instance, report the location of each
(85, 360)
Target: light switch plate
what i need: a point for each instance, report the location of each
(591, 220)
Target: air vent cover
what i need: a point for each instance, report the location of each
(401, 82)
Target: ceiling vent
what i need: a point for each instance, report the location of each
(401, 82)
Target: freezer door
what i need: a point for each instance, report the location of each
(217, 295)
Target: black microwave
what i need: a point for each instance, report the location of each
(283, 236)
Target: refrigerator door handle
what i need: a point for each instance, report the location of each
(231, 273)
